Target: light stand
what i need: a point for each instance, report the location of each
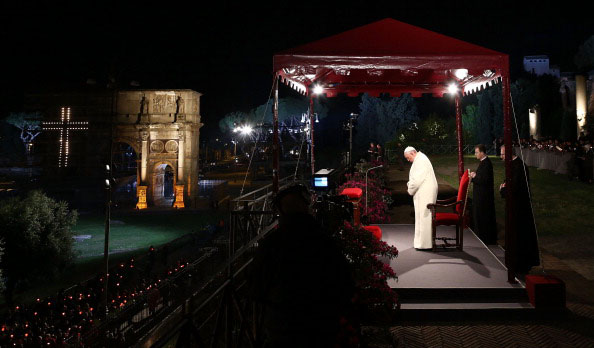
(352, 117)
(366, 189)
(107, 223)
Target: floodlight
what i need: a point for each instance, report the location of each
(452, 88)
(461, 73)
(246, 130)
(318, 89)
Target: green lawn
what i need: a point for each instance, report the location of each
(134, 231)
(563, 209)
(131, 234)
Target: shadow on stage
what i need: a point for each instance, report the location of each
(472, 279)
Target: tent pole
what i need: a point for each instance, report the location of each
(510, 232)
(460, 137)
(275, 140)
(311, 134)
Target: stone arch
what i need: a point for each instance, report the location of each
(163, 179)
(147, 117)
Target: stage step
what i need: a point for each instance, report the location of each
(466, 305)
(462, 295)
(454, 304)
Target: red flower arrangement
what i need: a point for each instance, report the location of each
(378, 198)
(370, 273)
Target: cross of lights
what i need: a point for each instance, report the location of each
(65, 126)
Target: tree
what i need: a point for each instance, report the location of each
(469, 120)
(380, 119)
(38, 238)
(484, 122)
(28, 123)
(1, 256)
(497, 102)
(228, 123)
(584, 58)
(524, 97)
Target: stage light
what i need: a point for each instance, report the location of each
(318, 89)
(461, 73)
(452, 88)
(246, 130)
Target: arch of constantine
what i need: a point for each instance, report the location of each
(163, 127)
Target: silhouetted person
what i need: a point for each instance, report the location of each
(300, 278)
(379, 153)
(372, 152)
(522, 218)
(483, 198)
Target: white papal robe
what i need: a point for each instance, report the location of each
(422, 185)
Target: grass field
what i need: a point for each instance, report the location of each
(131, 234)
(563, 208)
(134, 231)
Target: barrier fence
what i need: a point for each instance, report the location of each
(392, 156)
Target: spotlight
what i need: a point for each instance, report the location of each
(247, 130)
(461, 73)
(452, 88)
(318, 89)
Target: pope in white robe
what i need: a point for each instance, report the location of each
(422, 185)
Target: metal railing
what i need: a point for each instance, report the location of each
(221, 313)
(255, 200)
(394, 155)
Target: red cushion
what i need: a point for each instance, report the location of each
(545, 291)
(446, 218)
(462, 190)
(352, 192)
(375, 230)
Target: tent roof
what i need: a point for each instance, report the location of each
(389, 56)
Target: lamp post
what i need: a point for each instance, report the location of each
(366, 190)
(107, 223)
(352, 117)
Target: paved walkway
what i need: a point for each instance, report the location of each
(573, 328)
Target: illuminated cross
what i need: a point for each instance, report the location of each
(65, 126)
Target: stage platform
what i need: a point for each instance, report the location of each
(472, 279)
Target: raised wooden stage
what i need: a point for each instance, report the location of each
(469, 280)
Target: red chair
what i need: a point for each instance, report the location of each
(457, 218)
(354, 196)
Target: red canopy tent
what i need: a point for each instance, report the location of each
(393, 57)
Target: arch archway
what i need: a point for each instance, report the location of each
(163, 182)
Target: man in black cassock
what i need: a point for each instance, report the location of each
(522, 218)
(483, 198)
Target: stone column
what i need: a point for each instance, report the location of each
(144, 156)
(179, 186)
(180, 156)
(581, 106)
(141, 186)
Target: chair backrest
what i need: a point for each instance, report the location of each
(463, 192)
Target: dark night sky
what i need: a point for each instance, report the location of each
(225, 51)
